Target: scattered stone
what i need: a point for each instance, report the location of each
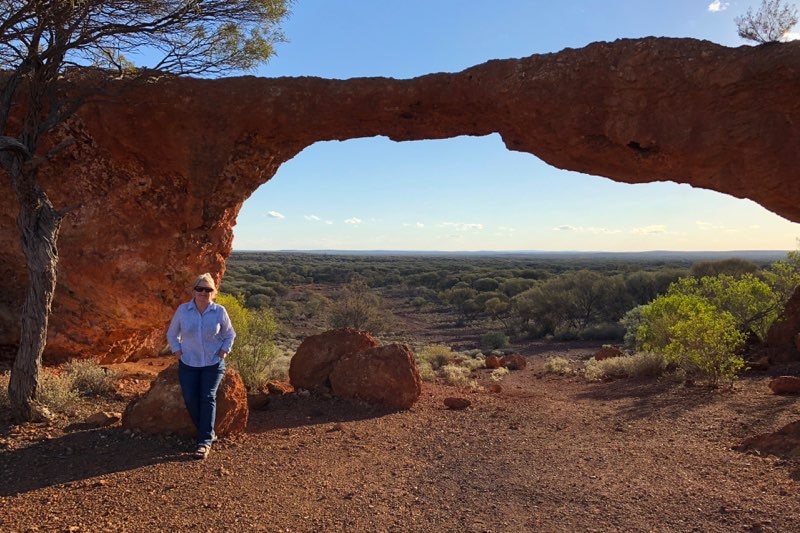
(608, 352)
(514, 362)
(455, 403)
(785, 385)
(258, 401)
(783, 443)
(103, 419)
(279, 387)
(492, 362)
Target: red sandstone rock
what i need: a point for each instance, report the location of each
(492, 361)
(384, 375)
(782, 335)
(607, 352)
(514, 362)
(279, 388)
(455, 403)
(161, 409)
(783, 443)
(785, 385)
(161, 173)
(317, 355)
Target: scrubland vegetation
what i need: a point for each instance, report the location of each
(672, 314)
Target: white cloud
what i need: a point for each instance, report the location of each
(591, 229)
(717, 6)
(420, 225)
(462, 226)
(504, 228)
(417, 225)
(790, 36)
(650, 230)
(355, 221)
(275, 214)
(329, 222)
(312, 218)
(565, 227)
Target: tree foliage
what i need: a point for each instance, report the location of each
(39, 43)
(769, 24)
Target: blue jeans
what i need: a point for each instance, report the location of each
(199, 386)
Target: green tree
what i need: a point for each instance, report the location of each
(254, 348)
(769, 24)
(356, 306)
(733, 267)
(39, 42)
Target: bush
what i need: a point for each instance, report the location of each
(694, 336)
(494, 340)
(558, 365)
(499, 373)
(56, 392)
(88, 378)
(458, 376)
(254, 354)
(436, 356)
(639, 366)
(357, 307)
(603, 332)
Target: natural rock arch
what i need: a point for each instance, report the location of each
(162, 173)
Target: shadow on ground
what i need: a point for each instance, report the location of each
(82, 455)
(297, 410)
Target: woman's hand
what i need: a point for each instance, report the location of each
(223, 354)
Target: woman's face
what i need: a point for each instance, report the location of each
(203, 292)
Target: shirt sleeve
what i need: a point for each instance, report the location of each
(226, 332)
(174, 332)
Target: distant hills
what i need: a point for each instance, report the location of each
(757, 256)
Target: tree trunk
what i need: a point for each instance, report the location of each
(38, 223)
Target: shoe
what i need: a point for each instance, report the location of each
(202, 451)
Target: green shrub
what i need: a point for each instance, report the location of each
(254, 355)
(356, 306)
(603, 332)
(494, 340)
(88, 378)
(557, 365)
(694, 335)
(436, 355)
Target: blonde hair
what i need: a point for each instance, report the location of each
(207, 278)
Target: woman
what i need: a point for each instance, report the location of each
(201, 336)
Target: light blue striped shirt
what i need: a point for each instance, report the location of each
(200, 337)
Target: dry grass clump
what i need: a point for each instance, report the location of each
(458, 376)
(640, 365)
(55, 391)
(558, 365)
(440, 361)
(87, 378)
(499, 373)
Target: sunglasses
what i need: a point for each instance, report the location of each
(203, 289)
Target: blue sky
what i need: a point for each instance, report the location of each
(471, 193)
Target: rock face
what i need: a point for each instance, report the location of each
(385, 375)
(781, 342)
(316, 357)
(160, 173)
(161, 409)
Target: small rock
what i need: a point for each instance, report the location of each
(785, 385)
(455, 403)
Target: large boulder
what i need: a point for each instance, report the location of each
(161, 409)
(317, 355)
(386, 375)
